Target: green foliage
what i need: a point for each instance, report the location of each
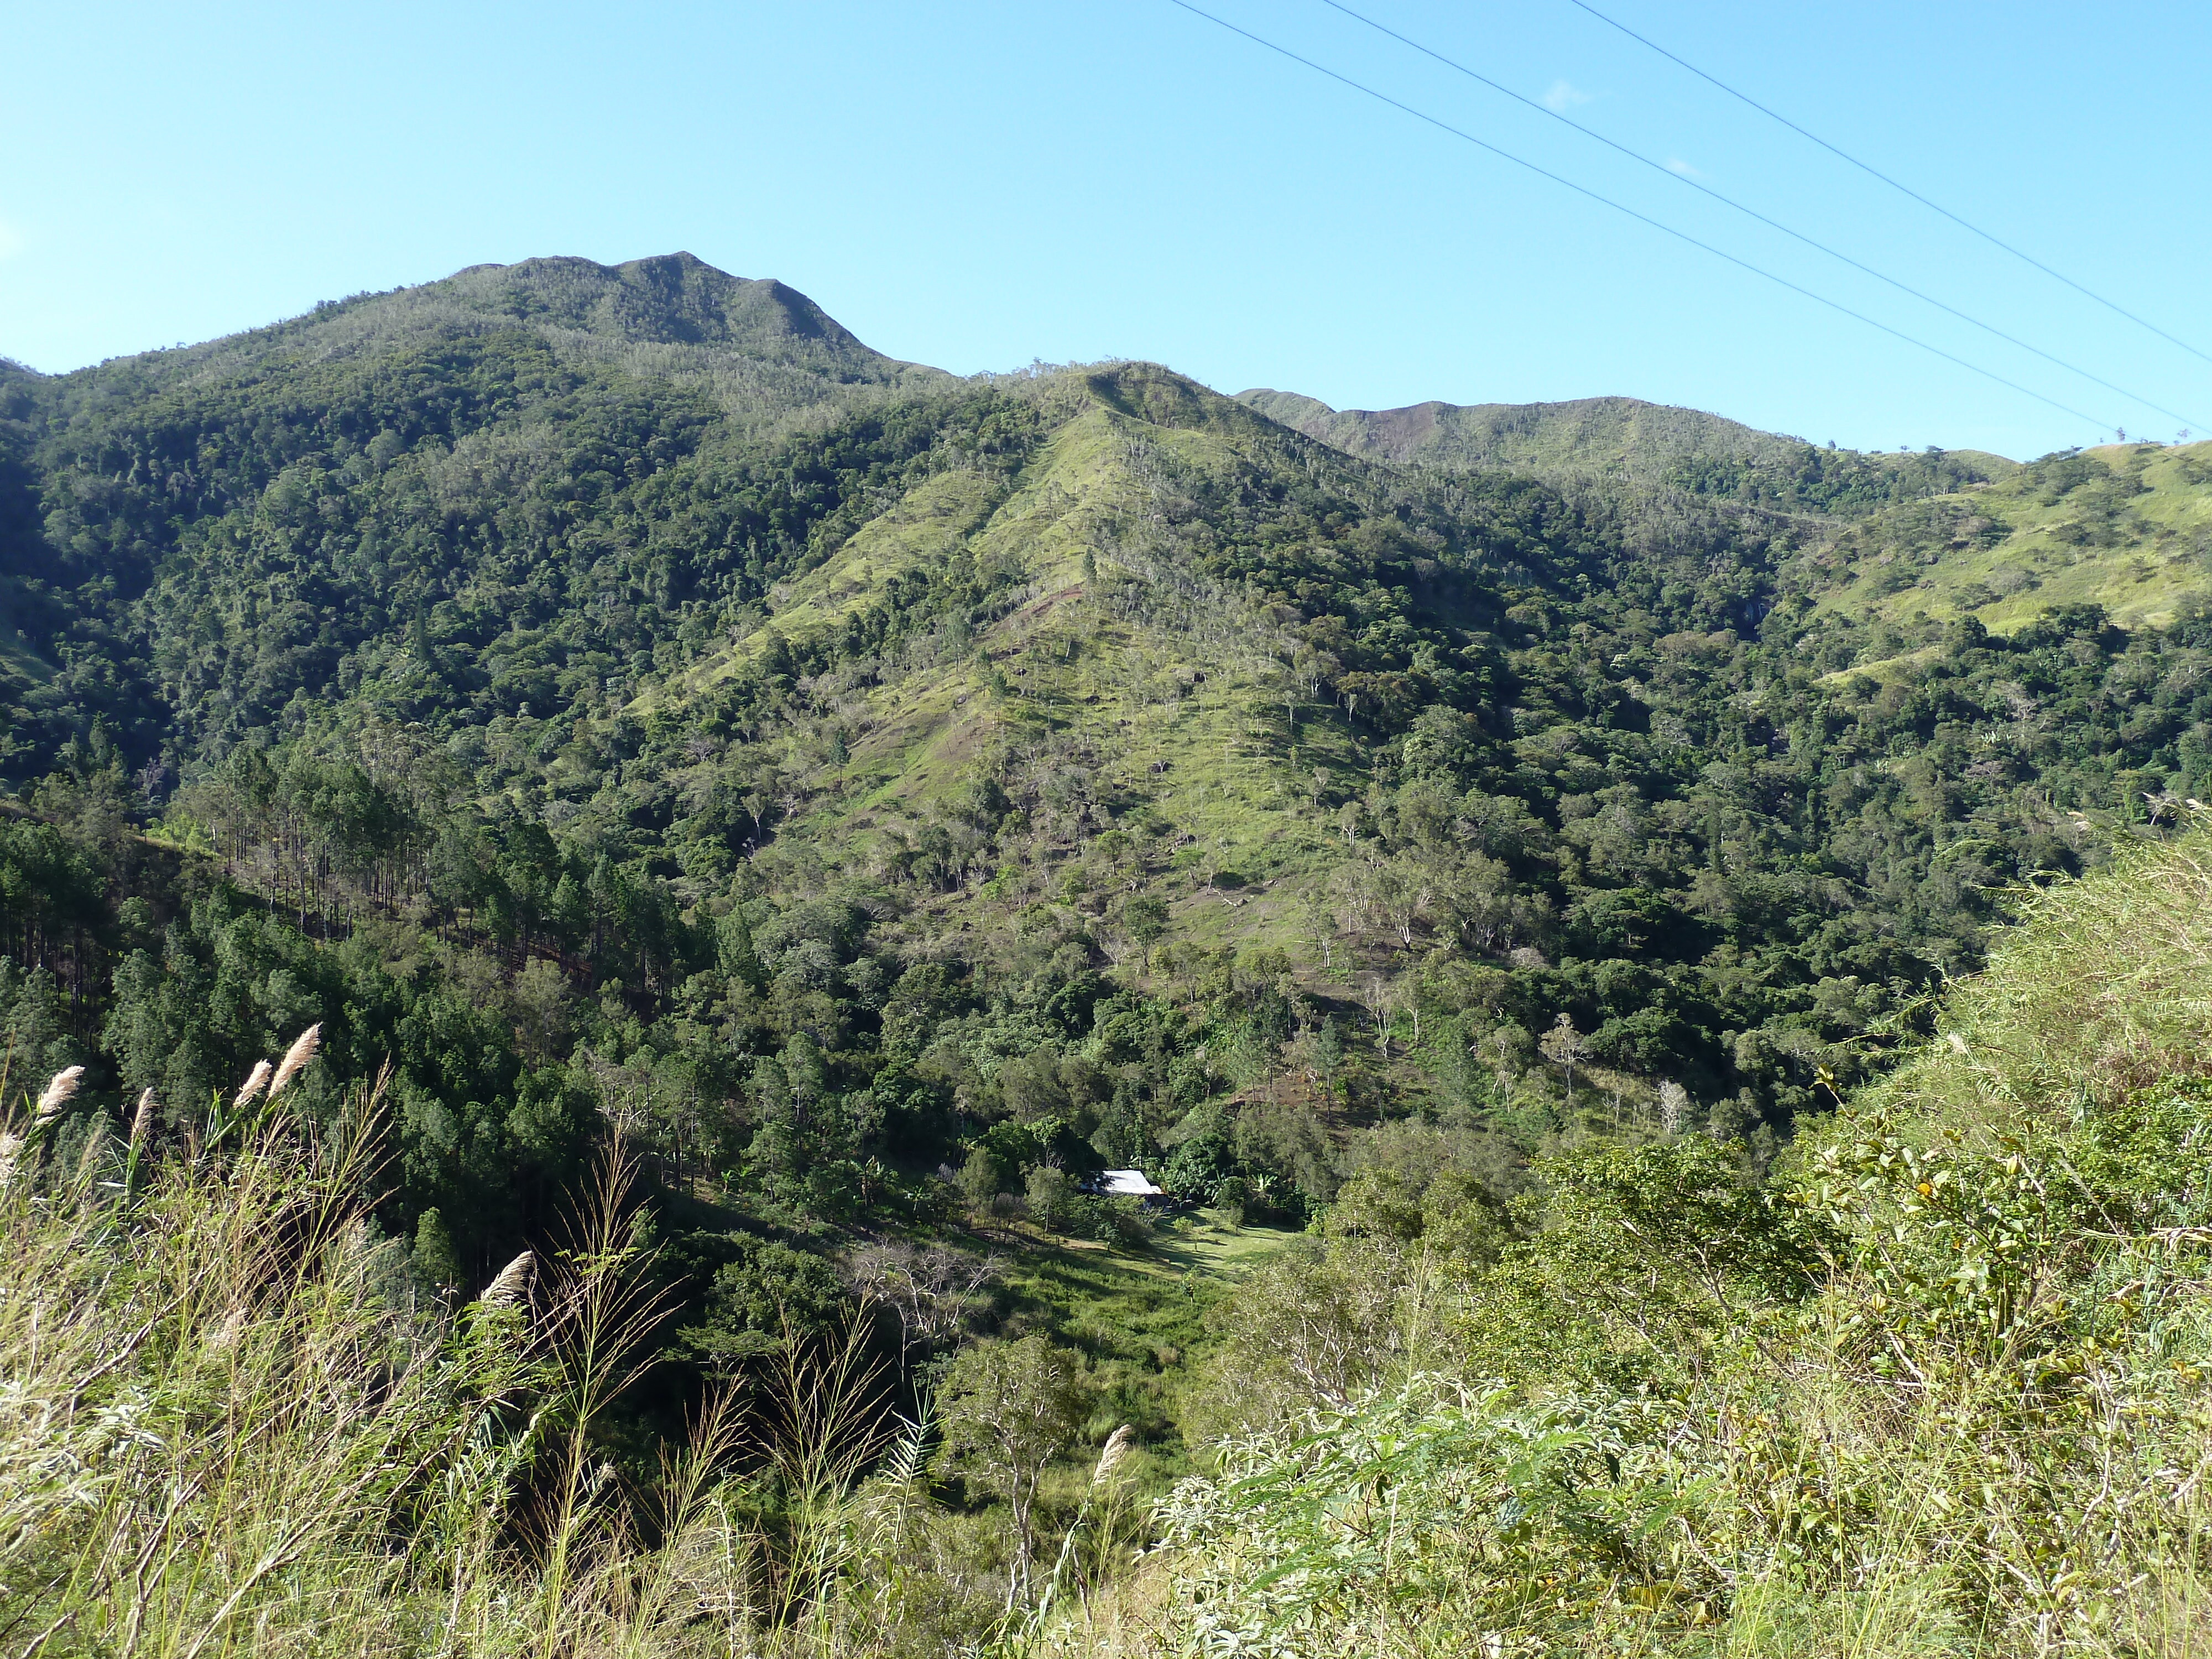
(765, 1297)
(1049, 1197)
(617, 699)
(1931, 1389)
(1007, 1410)
(434, 1258)
(1435, 1521)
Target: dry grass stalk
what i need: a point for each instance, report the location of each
(512, 1285)
(296, 1058)
(309, 1466)
(255, 1080)
(57, 1093)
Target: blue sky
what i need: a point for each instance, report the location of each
(977, 185)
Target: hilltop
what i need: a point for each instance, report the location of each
(762, 349)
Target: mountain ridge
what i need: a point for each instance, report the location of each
(1625, 438)
(509, 514)
(765, 352)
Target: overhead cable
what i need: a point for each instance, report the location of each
(1642, 218)
(1753, 213)
(1876, 172)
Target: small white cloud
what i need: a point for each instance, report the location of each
(1564, 96)
(1676, 164)
(11, 240)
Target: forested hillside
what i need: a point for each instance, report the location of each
(629, 707)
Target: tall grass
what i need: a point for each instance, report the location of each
(2106, 986)
(231, 1422)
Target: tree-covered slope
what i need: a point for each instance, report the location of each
(1095, 651)
(1934, 1388)
(616, 697)
(207, 531)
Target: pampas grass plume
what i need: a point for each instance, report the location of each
(57, 1093)
(296, 1058)
(141, 1121)
(513, 1285)
(255, 1080)
(1117, 1448)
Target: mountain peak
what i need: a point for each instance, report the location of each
(763, 347)
(668, 299)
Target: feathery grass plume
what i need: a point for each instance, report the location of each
(1022, 1637)
(1117, 1448)
(255, 1080)
(512, 1285)
(57, 1093)
(296, 1058)
(11, 1148)
(142, 1120)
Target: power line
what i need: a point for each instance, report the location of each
(1753, 213)
(1874, 171)
(1641, 218)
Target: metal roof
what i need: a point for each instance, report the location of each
(1126, 1184)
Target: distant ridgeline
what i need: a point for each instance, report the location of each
(619, 691)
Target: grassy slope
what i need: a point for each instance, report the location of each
(1142, 1319)
(2154, 550)
(1203, 755)
(2106, 986)
(2135, 541)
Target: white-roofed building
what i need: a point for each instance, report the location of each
(1128, 1183)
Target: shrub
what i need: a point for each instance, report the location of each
(1050, 1197)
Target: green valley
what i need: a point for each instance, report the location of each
(757, 827)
